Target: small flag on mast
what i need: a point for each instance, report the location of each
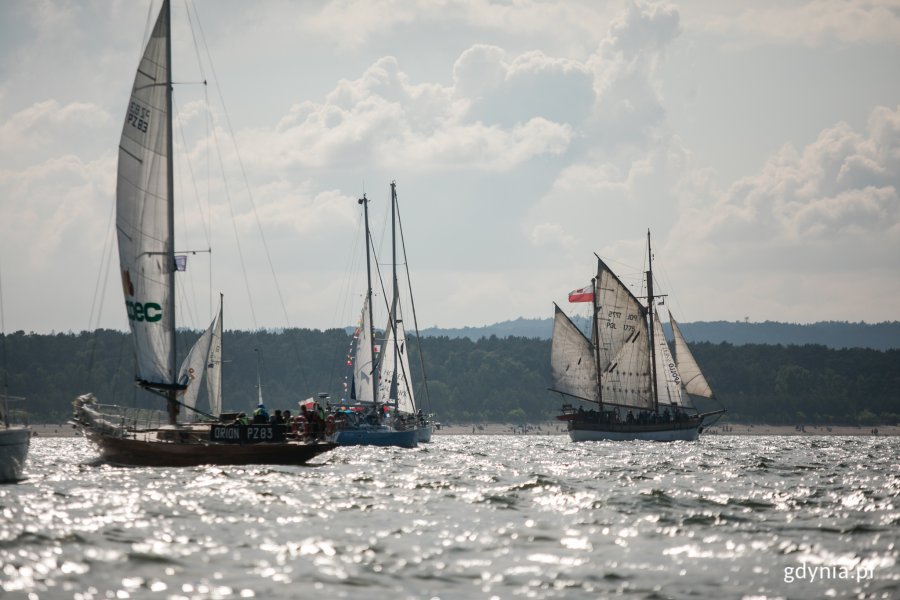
(585, 294)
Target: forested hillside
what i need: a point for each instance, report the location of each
(833, 334)
(492, 379)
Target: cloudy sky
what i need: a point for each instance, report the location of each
(759, 141)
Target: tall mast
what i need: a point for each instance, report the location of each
(596, 341)
(396, 291)
(651, 311)
(172, 404)
(365, 202)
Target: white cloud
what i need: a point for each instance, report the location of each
(382, 118)
(827, 213)
(812, 23)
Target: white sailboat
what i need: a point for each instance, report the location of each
(145, 228)
(625, 372)
(368, 427)
(395, 381)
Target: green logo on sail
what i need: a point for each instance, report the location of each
(147, 311)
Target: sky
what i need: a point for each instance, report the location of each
(759, 142)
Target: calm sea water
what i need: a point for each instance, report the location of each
(466, 517)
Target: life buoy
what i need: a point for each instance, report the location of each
(329, 425)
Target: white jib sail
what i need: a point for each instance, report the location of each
(141, 214)
(623, 344)
(363, 375)
(214, 367)
(693, 380)
(572, 363)
(394, 383)
(668, 381)
(194, 367)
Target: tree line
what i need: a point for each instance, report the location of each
(489, 380)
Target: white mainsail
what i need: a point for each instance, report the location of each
(572, 363)
(623, 345)
(394, 384)
(693, 380)
(142, 208)
(363, 367)
(668, 381)
(214, 367)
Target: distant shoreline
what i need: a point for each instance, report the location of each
(556, 428)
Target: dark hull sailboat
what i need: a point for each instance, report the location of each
(625, 372)
(147, 261)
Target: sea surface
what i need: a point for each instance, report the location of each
(466, 517)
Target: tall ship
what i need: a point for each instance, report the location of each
(623, 382)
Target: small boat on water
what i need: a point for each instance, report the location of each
(14, 442)
(148, 265)
(625, 372)
(375, 387)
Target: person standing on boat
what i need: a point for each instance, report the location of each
(260, 415)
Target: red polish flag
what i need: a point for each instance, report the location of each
(585, 294)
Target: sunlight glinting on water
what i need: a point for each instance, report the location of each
(464, 516)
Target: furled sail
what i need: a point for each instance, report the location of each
(692, 378)
(623, 343)
(395, 385)
(142, 223)
(363, 367)
(572, 363)
(668, 380)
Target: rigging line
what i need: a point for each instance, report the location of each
(184, 227)
(412, 304)
(207, 228)
(253, 206)
(227, 189)
(344, 316)
(99, 292)
(3, 333)
(104, 257)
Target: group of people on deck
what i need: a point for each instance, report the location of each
(315, 422)
(644, 417)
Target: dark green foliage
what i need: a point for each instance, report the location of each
(489, 380)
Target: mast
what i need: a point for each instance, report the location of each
(653, 385)
(172, 402)
(596, 342)
(365, 202)
(396, 290)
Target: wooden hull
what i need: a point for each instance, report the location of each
(14, 443)
(145, 451)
